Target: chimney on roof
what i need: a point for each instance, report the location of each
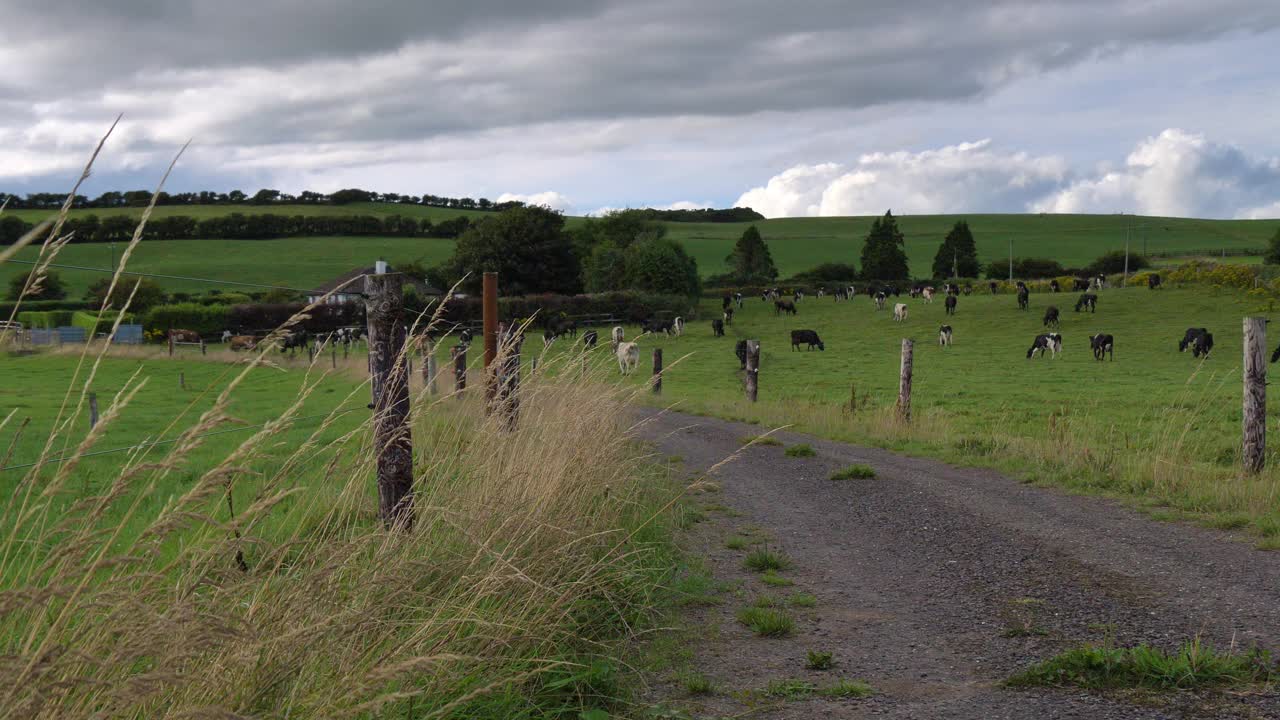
(380, 267)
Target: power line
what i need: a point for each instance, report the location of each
(172, 277)
(166, 442)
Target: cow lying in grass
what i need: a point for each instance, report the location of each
(806, 337)
(1051, 342)
(944, 336)
(1102, 345)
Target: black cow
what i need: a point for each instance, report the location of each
(717, 328)
(464, 338)
(728, 316)
(294, 340)
(1024, 297)
(740, 349)
(590, 338)
(1102, 345)
(895, 290)
(951, 304)
(1153, 281)
(1051, 316)
(1080, 284)
(783, 306)
(1054, 286)
(1200, 341)
(1051, 342)
(726, 302)
(1087, 301)
(807, 337)
(656, 326)
(995, 287)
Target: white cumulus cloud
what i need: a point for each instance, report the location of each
(966, 177)
(1178, 173)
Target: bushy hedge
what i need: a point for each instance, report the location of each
(89, 320)
(6, 307)
(204, 319)
(629, 306)
(263, 317)
(45, 318)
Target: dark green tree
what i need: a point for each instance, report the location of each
(1273, 250)
(149, 294)
(526, 246)
(50, 287)
(750, 261)
(662, 266)
(958, 255)
(605, 269)
(883, 254)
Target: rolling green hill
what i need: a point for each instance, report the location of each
(797, 244)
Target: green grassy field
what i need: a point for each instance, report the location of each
(797, 244)
(1155, 425)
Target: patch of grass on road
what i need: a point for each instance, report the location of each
(818, 660)
(773, 579)
(762, 440)
(737, 542)
(766, 622)
(789, 689)
(801, 450)
(1193, 666)
(854, 472)
(803, 600)
(847, 689)
(764, 560)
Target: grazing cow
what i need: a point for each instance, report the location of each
(1051, 316)
(1051, 342)
(726, 302)
(950, 302)
(590, 338)
(764, 296)
(728, 316)
(294, 341)
(677, 326)
(1153, 281)
(656, 326)
(899, 312)
(184, 336)
(226, 335)
(1100, 282)
(1102, 345)
(944, 336)
(799, 295)
(879, 299)
(995, 286)
(784, 306)
(822, 292)
(895, 290)
(464, 338)
(740, 349)
(717, 328)
(1054, 286)
(915, 291)
(737, 297)
(616, 336)
(1024, 297)
(564, 326)
(1200, 341)
(1087, 301)
(1080, 284)
(806, 337)
(968, 289)
(242, 342)
(953, 289)
(927, 294)
(628, 354)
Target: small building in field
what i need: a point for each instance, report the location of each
(347, 287)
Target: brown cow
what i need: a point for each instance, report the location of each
(243, 342)
(184, 336)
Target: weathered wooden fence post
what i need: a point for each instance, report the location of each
(389, 378)
(182, 380)
(904, 380)
(459, 354)
(753, 369)
(657, 371)
(202, 348)
(171, 343)
(93, 410)
(333, 355)
(1254, 452)
(490, 330)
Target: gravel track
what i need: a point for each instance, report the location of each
(922, 572)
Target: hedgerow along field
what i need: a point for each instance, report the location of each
(1155, 426)
(797, 244)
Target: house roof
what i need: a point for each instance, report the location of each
(352, 282)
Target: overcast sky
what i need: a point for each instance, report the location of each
(805, 107)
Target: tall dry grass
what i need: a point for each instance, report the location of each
(536, 555)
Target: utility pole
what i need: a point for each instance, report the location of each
(955, 263)
(1011, 259)
(1127, 228)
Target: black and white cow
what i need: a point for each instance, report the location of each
(1199, 340)
(784, 306)
(740, 349)
(798, 295)
(1100, 282)
(968, 289)
(590, 338)
(737, 298)
(1051, 316)
(655, 326)
(294, 341)
(879, 299)
(1080, 284)
(1087, 301)
(1050, 341)
(1054, 286)
(1103, 345)
(1024, 297)
(806, 337)
(717, 328)
(950, 304)
(728, 316)
(944, 336)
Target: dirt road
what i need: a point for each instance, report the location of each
(934, 583)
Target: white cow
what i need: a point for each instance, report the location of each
(899, 312)
(927, 294)
(944, 336)
(677, 326)
(618, 335)
(628, 357)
